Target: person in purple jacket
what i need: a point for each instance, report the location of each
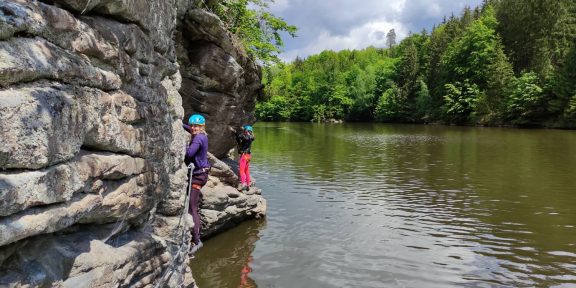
(197, 153)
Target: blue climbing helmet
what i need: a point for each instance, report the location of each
(196, 119)
(248, 128)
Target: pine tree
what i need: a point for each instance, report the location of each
(440, 39)
(478, 57)
(536, 33)
(391, 39)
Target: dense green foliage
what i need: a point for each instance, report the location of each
(258, 30)
(505, 62)
(329, 85)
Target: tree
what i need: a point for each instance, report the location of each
(275, 109)
(565, 87)
(526, 102)
(460, 102)
(391, 105)
(570, 112)
(462, 72)
(478, 57)
(391, 42)
(423, 105)
(537, 34)
(382, 82)
(258, 30)
(391, 39)
(409, 65)
(338, 103)
(440, 39)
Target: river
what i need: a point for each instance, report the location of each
(379, 205)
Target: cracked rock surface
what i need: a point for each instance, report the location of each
(92, 180)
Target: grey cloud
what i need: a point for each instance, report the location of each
(425, 13)
(378, 35)
(339, 17)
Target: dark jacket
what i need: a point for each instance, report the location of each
(244, 141)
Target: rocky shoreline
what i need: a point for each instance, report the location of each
(92, 179)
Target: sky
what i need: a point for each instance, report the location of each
(357, 24)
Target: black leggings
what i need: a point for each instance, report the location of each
(198, 181)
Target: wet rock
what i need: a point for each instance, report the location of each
(223, 206)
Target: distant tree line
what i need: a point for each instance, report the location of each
(504, 62)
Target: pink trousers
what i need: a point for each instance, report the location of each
(245, 168)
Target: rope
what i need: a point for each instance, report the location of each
(182, 248)
(118, 225)
(86, 7)
(195, 99)
(208, 7)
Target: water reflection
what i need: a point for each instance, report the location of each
(225, 259)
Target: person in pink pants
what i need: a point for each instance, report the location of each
(244, 139)
(245, 170)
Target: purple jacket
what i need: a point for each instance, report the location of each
(197, 153)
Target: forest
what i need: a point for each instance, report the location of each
(506, 62)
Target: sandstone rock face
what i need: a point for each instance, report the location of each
(92, 180)
(218, 79)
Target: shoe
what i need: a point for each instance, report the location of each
(247, 188)
(241, 187)
(195, 248)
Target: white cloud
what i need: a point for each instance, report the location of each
(397, 6)
(353, 24)
(434, 10)
(369, 34)
(279, 5)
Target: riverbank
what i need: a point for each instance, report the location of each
(559, 126)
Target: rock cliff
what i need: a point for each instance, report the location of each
(92, 93)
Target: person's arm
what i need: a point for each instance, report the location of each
(235, 133)
(186, 127)
(239, 138)
(193, 148)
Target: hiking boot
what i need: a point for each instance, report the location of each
(195, 248)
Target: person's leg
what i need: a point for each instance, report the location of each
(243, 163)
(193, 210)
(247, 172)
(198, 181)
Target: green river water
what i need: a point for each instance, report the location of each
(377, 205)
